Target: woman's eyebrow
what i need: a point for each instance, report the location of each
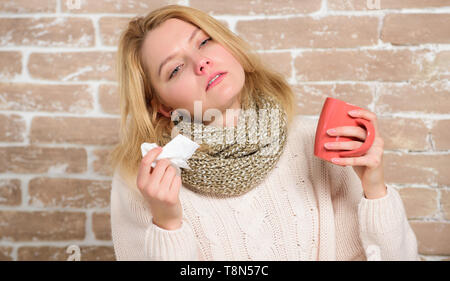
(173, 55)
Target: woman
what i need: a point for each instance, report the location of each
(241, 200)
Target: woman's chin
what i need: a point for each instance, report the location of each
(225, 97)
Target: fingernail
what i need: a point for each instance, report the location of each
(331, 131)
(353, 112)
(335, 160)
(329, 145)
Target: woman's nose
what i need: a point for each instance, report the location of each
(203, 65)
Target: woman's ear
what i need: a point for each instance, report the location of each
(165, 110)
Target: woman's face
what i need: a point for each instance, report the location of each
(181, 61)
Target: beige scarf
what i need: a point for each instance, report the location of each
(237, 158)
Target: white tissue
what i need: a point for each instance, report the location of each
(178, 151)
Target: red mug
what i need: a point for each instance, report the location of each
(335, 114)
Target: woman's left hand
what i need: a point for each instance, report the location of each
(368, 167)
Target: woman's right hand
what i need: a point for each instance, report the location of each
(160, 186)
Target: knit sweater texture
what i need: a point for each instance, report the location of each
(305, 209)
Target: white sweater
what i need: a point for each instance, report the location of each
(305, 209)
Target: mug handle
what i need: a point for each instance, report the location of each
(367, 143)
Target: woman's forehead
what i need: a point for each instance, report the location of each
(163, 41)
(169, 32)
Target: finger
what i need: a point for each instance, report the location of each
(357, 161)
(158, 172)
(166, 180)
(362, 114)
(168, 177)
(149, 158)
(145, 166)
(368, 115)
(349, 131)
(349, 161)
(175, 188)
(345, 145)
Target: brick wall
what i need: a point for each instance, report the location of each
(59, 106)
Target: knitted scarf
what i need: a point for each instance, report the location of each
(237, 158)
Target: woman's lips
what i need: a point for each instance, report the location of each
(217, 81)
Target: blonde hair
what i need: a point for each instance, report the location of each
(139, 103)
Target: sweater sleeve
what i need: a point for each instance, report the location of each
(136, 237)
(383, 227)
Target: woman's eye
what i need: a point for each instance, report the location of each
(204, 42)
(174, 72)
